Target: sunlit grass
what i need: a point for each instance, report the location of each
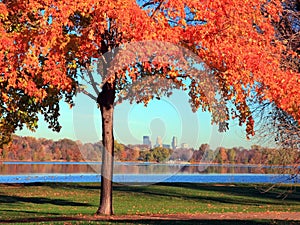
(52, 200)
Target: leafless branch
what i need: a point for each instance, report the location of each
(82, 90)
(92, 82)
(157, 8)
(147, 4)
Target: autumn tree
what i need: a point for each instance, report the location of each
(232, 155)
(281, 124)
(133, 153)
(182, 154)
(218, 51)
(222, 156)
(119, 151)
(276, 125)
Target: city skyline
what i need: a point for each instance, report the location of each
(159, 142)
(167, 117)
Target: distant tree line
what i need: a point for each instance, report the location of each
(33, 149)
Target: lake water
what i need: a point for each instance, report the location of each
(131, 172)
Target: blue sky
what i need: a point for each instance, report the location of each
(167, 117)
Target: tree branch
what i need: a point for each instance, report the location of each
(157, 8)
(93, 83)
(82, 90)
(147, 4)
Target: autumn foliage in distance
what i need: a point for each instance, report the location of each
(33, 149)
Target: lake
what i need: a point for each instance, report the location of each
(135, 172)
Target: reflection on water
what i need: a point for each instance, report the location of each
(10, 168)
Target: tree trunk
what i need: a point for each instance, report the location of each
(106, 101)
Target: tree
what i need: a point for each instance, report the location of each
(49, 48)
(119, 151)
(276, 125)
(133, 152)
(201, 155)
(285, 127)
(222, 157)
(160, 154)
(232, 155)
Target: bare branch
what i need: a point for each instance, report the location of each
(157, 8)
(92, 82)
(147, 4)
(82, 90)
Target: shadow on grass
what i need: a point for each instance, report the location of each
(241, 189)
(247, 190)
(254, 196)
(5, 199)
(233, 194)
(27, 212)
(79, 186)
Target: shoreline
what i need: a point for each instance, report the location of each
(152, 163)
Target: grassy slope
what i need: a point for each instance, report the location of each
(74, 199)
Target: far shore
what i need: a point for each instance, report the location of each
(171, 162)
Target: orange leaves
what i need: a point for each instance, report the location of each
(3, 11)
(34, 49)
(172, 74)
(274, 10)
(147, 66)
(46, 42)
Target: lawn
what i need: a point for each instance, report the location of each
(74, 203)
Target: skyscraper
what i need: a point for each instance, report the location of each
(174, 142)
(146, 141)
(159, 141)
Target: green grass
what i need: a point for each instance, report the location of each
(35, 202)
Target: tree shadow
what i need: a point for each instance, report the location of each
(254, 196)
(5, 199)
(75, 185)
(252, 190)
(244, 194)
(28, 212)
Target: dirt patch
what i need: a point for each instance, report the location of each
(211, 216)
(286, 216)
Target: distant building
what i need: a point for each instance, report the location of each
(146, 141)
(184, 145)
(166, 146)
(158, 142)
(174, 142)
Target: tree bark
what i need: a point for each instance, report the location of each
(106, 101)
